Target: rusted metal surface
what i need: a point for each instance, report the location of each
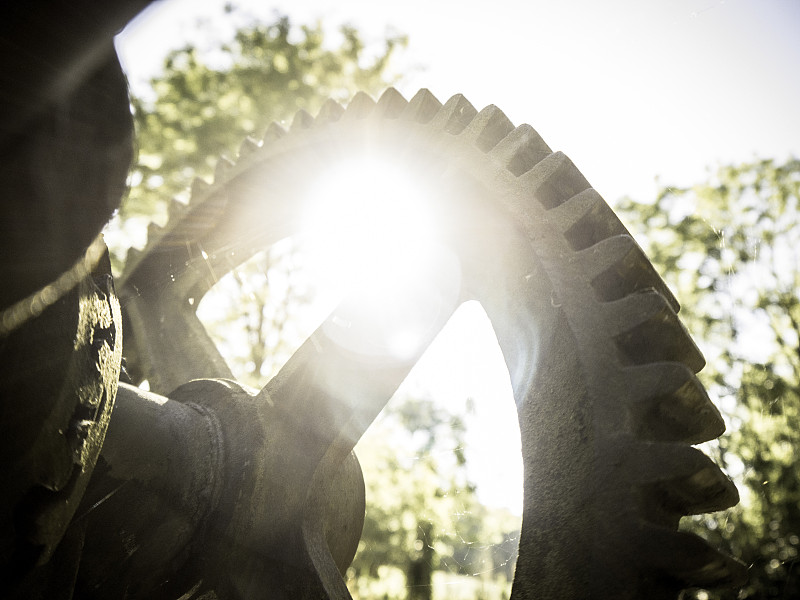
(65, 149)
(603, 371)
(58, 380)
(208, 489)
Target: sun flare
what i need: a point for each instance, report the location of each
(371, 231)
(368, 212)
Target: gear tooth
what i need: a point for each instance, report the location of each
(154, 232)
(668, 480)
(554, 180)
(586, 219)
(648, 330)
(455, 115)
(199, 189)
(132, 257)
(224, 166)
(688, 482)
(176, 209)
(422, 107)
(520, 150)
(273, 132)
(706, 490)
(302, 120)
(488, 127)
(669, 404)
(618, 267)
(684, 557)
(202, 219)
(391, 104)
(330, 112)
(360, 106)
(248, 147)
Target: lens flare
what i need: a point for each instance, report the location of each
(365, 212)
(371, 231)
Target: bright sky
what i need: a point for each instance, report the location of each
(629, 89)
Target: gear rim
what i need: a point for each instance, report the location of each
(602, 283)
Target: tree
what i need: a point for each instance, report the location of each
(261, 312)
(207, 102)
(730, 248)
(423, 516)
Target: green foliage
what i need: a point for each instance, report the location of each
(260, 313)
(422, 513)
(730, 249)
(206, 102)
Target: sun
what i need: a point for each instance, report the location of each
(371, 230)
(370, 212)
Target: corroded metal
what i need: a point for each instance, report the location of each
(65, 149)
(602, 369)
(58, 380)
(208, 489)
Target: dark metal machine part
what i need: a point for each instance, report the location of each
(213, 490)
(190, 492)
(65, 149)
(66, 135)
(602, 369)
